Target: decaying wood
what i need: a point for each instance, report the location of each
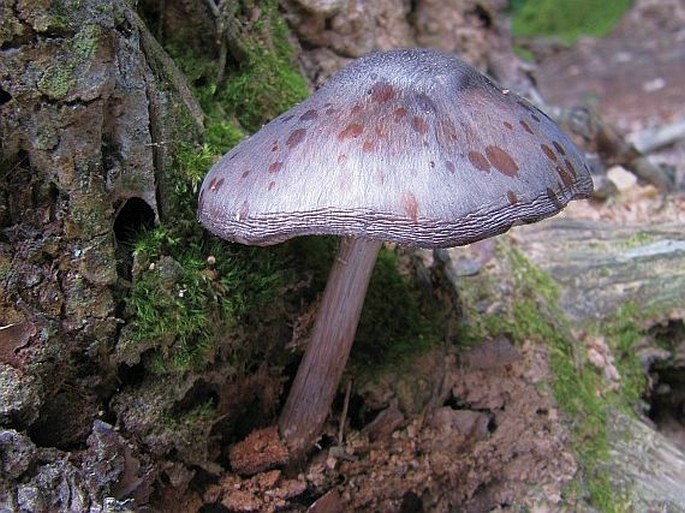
(646, 466)
(598, 136)
(653, 139)
(600, 266)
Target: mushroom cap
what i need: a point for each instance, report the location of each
(411, 146)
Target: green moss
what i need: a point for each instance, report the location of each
(185, 307)
(257, 90)
(641, 238)
(263, 89)
(536, 317)
(567, 19)
(57, 81)
(268, 83)
(86, 41)
(623, 334)
(187, 310)
(60, 78)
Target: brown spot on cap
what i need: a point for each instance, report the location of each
(570, 167)
(274, 147)
(554, 199)
(399, 113)
(275, 167)
(450, 166)
(381, 92)
(549, 152)
(296, 137)
(331, 110)
(508, 125)
(272, 184)
(502, 161)
(216, 185)
(357, 107)
(559, 148)
(419, 124)
(411, 206)
(368, 146)
(536, 118)
(448, 129)
(478, 160)
(243, 211)
(526, 127)
(245, 174)
(350, 131)
(565, 177)
(310, 115)
(511, 196)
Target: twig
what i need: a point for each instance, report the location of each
(343, 415)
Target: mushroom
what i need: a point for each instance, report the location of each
(410, 146)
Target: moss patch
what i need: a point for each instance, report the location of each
(190, 295)
(187, 310)
(254, 91)
(57, 81)
(267, 83)
(60, 78)
(567, 19)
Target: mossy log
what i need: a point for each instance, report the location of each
(601, 267)
(645, 467)
(597, 269)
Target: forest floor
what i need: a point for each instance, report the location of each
(634, 77)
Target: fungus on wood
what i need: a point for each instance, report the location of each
(409, 146)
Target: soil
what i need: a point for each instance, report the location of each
(491, 431)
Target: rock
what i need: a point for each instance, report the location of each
(16, 455)
(621, 178)
(465, 422)
(386, 422)
(49, 481)
(328, 503)
(20, 397)
(491, 354)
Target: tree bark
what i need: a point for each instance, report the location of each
(90, 107)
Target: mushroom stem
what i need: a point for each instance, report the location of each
(320, 371)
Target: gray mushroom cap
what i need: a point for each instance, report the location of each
(410, 146)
